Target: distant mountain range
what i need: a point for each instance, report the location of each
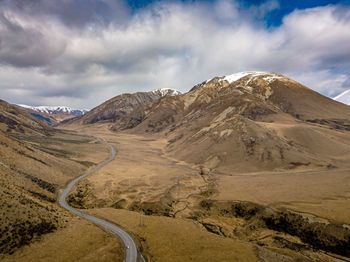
(52, 115)
(55, 110)
(343, 97)
(261, 123)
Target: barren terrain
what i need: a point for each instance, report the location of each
(35, 162)
(77, 241)
(242, 209)
(248, 167)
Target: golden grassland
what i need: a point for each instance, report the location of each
(177, 211)
(170, 239)
(33, 167)
(176, 195)
(78, 241)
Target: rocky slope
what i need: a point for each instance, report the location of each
(251, 121)
(246, 121)
(121, 106)
(15, 119)
(34, 162)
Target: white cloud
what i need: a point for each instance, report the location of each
(168, 45)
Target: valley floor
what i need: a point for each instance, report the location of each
(179, 211)
(182, 212)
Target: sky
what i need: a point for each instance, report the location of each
(80, 53)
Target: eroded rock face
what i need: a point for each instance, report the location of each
(119, 107)
(329, 237)
(316, 233)
(123, 108)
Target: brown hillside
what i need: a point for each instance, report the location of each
(35, 161)
(260, 121)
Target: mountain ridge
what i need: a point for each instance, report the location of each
(250, 116)
(263, 118)
(121, 106)
(56, 109)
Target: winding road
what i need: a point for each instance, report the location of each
(131, 252)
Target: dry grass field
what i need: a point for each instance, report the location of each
(141, 177)
(224, 212)
(169, 239)
(322, 193)
(78, 241)
(34, 165)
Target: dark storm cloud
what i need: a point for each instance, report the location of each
(23, 44)
(73, 13)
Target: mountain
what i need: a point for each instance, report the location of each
(121, 106)
(52, 115)
(166, 92)
(27, 187)
(35, 160)
(14, 119)
(55, 110)
(343, 97)
(249, 121)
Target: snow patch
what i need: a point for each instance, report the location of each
(234, 77)
(208, 80)
(272, 78)
(167, 92)
(343, 97)
(55, 109)
(269, 77)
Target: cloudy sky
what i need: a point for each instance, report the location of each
(81, 52)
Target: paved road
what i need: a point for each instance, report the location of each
(131, 249)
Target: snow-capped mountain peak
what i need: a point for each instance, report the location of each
(234, 77)
(56, 110)
(267, 76)
(343, 97)
(167, 92)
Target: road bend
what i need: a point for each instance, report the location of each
(131, 253)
